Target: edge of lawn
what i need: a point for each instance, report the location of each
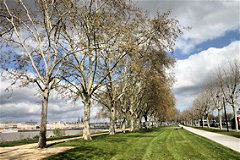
(230, 133)
(35, 140)
(211, 141)
(79, 146)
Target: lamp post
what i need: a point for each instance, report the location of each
(225, 113)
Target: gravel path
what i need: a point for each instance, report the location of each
(228, 141)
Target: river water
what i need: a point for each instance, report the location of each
(30, 134)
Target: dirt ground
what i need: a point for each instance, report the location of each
(31, 152)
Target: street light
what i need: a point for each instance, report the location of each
(219, 112)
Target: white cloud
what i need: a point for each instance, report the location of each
(21, 104)
(192, 72)
(208, 19)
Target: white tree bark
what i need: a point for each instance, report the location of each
(235, 114)
(132, 124)
(208, 122)
(203, 121)
(112, 121)
(43, 128)
(86, 127)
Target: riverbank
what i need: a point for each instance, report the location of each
(15, 136)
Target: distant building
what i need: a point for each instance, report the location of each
(15, 126)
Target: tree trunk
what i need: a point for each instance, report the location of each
(208, 122)
(120, 124)
(145, 117)
(202, 121)
(124, 125)
(138, 123)
(112, 121)
(132, 124)
(43, 128)
(220, 118)
(150, 123)
(86, 126)
(235, 116)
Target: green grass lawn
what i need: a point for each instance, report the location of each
(230, 133)
(159, 143)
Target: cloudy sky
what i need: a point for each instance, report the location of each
(213, 41)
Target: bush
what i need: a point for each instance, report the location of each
(57, 132)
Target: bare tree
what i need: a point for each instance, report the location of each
(214, 88)
(96, 33)
(202, 103)
(112, 91)
(229, 79)
(206, 103)
(34, 55)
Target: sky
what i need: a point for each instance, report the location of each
(213, 41)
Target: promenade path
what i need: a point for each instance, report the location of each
(30, 151)
(227, 141)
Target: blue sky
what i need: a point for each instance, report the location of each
(218, 42)
(213, 40)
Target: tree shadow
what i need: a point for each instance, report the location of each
(146, 130)
(52, 144)
(115, 140)
(83, 152)
(137, 136)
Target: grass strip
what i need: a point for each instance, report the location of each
(152, 144)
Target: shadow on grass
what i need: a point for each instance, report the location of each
(146, 130)
(50, 145)
(83, 152)
(139, 135)
(114, 140)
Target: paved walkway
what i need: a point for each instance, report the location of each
(30, 151)
(228, 141)
(230, 129)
